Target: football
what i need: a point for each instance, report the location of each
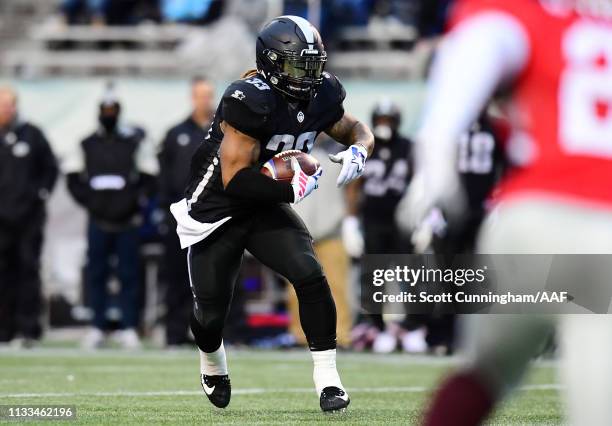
(279, 166)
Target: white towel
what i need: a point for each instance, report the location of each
(189, 230)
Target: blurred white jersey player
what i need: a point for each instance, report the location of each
(555, 59)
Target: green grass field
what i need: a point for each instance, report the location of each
(270, 387)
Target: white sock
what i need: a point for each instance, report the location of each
(213, 363)
(325, 373)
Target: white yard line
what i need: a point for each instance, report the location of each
(249, 391)
(294, 355)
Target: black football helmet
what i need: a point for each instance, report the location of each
(386, 119)
(388, 109)
(291, 55)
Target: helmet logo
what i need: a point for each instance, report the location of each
(238, 95)
(300, 117)
(309, 51)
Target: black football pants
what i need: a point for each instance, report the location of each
(277, 237)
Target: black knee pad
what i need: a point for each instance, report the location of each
(207, 327)
(312, 290)
(209, 317)
(305, 269)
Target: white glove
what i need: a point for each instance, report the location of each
(352, 238)
(301, 183)
(352, 159)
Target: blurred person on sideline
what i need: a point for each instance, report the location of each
(28, 171)
(111, 174)
(370, 227)
(325, 226)
(556, 200)
(177, 148)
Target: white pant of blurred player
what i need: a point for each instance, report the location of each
(500, 346)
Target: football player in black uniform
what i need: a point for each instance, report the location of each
(385, 181)
(480, 165)
(230, 206)
(372, 201)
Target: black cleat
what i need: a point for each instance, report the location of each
(334, 399)
(218, 389)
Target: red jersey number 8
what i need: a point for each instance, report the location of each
(585, 97)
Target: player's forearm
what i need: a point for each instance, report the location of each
(350, 131)
(361, 135)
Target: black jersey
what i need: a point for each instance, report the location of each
(385, 178)
(480, 164)
(254, 107)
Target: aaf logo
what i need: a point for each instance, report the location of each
(238, 95)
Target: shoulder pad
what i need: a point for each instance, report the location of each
(332, 89)
(246, 104)
(254, 93)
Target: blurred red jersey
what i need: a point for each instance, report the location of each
(561, 103)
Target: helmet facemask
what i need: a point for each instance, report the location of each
(298, 76)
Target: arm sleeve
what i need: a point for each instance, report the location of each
(248, 183)
(479, 54)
